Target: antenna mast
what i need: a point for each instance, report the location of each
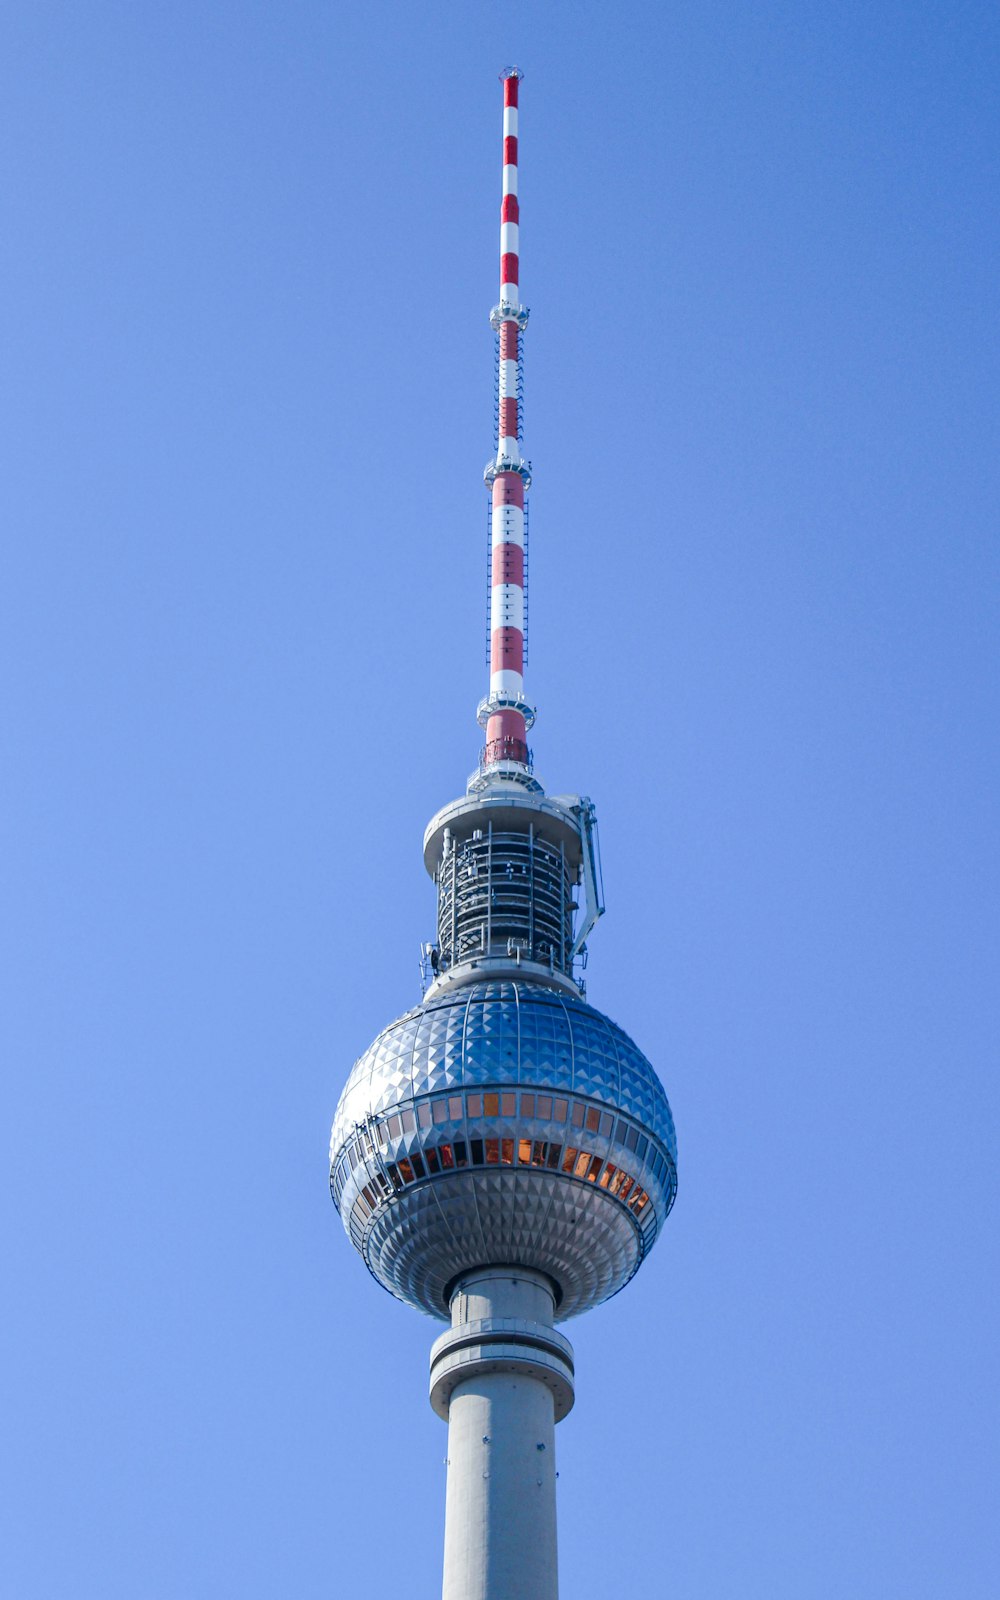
(505, 713)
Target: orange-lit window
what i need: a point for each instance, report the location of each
(626, 1186)
(492, 1152)
(475, 1105)
(569, 1158)
(405, 1170)
(559, 1110)
(593, 1170)
(491, 1105)
(607, 1175)
(524, 1152)
(447, 1159)
(582, 1162)
(508, 1105)
(507, 1152)
(544, 1105)
(593, 1119)
(528, 1105)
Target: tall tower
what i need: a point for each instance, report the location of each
(503, 1156)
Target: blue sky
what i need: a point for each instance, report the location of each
(248, 255)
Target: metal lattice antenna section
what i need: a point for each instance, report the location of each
(505, 713)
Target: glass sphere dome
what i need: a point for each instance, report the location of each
(503, 1122)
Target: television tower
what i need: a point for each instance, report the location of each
(503, 1156)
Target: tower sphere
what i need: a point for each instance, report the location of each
(503, 1122)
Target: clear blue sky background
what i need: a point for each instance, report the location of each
(248, 253)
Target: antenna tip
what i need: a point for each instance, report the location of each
(510, 72)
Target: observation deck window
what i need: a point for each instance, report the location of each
(585, 1165)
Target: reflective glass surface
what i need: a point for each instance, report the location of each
(506, 1032)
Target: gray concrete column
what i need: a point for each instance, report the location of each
(503, 1377)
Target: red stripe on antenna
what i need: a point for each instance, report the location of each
(507, 650)
(508, 563)
(508, 341)
(508, 489)
(508, 419)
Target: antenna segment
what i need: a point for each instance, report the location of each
(505, 713)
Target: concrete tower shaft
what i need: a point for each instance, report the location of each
(501, 1378)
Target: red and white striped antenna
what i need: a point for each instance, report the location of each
(505, 713)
